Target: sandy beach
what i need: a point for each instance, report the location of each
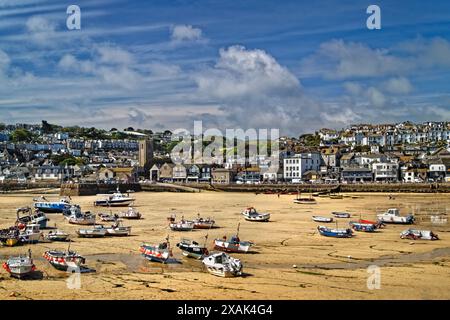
(325, 268)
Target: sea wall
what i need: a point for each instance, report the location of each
(88, 189)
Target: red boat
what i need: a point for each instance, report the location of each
(377, 224)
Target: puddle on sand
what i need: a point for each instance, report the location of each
(137, 263)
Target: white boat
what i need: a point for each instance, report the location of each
(322, 219)
(222, 265)
(56, 235)
(182, 225)
(392, 215)
(31, 234)
(97, 231)
(117, 199)
(250, 214)
(341, 214)
(20, 266)
(75, 216)
(131, 213)
(203, 223)
(413, 234)
(36, 217)
(117, 229)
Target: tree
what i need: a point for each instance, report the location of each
(21, 135)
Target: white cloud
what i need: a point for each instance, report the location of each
(41, 30)
(246, 74)
(185, 33)
(4, 61)
(398, 85)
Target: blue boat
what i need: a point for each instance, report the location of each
(52, 207)
(364, 227)
(336, 233)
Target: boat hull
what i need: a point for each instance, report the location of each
(335, 233)
(113, 203)
(241, 247)
(51, 207)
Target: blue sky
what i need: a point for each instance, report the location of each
(293, 65)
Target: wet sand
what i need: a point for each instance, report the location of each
(326, 268)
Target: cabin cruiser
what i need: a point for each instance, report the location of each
(46, 206)
(117, 199)
(392, 215)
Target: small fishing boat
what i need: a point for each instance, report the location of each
(412, 234)
(337, 233)
(63, 260)
(376, 224)
(322, 219)
(30, 234)
(250, 214)
(98, 231)
(336, 196)
(203, 223)
(192, 249)
(42, 204)
(222, 265)
(108, 217)
(75, 216)
(56, 235)
(158, 253)
(10, 237)
(182, 225)
(341, 214)
(117, 199)
(131, 213)
(20, 266)
(304, 200)
(118, 230)
(364, 227)
(36, 217)
(233, 245)
(392, 215)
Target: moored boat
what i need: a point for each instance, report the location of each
(337, 233)
(108, 217)
(250, 214)
(118, 230)
(42, 204)
(203, 223)
(192, 249)
(413, 234)
(10, 237)
(20, 266)
(377, 224)
(341, 214)
(131, 213)
(56, 235)
(30, 234)
(117, 199)
(322, 219)
(182, 225)
(63, 260)
(233, 245)
(364, 227)
(75, 216)
(36, 217)
(157, 253)
(392, 215)
(222, 265)
(98, 231)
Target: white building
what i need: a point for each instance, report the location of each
(294, 167)
(385, 171)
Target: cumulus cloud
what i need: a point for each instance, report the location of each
(185, 33)
(4, 61)
(138, 116)
(246, 74)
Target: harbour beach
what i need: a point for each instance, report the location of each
(289, 259)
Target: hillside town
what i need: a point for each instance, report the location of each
(384, 153)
